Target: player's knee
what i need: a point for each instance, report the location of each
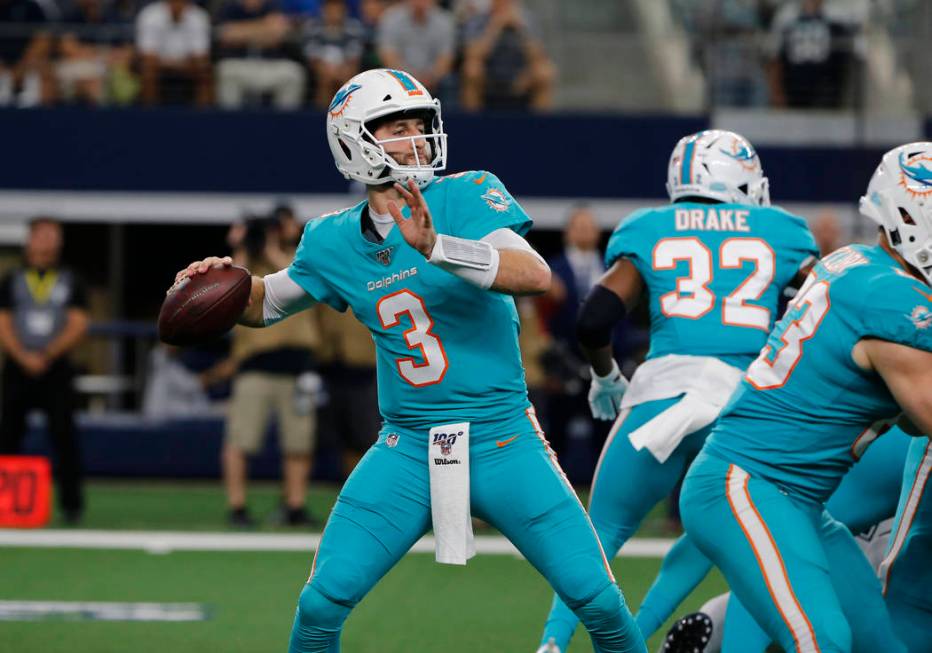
(317, 610)
(606, 612)
(832, 633)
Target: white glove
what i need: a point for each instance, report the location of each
(606, 392)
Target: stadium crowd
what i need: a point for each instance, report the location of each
(284, 53)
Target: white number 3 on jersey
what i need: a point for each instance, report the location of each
(434, 359)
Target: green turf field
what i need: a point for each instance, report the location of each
(496, 603)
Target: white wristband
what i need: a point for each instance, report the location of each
(474, 261)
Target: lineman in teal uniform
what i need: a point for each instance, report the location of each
(429, 266)
(713, 264)
(851, 352)
(866, 496)
(906, 572)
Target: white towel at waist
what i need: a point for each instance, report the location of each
(706, 384)
(448, 462)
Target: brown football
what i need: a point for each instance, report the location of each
(204, 306)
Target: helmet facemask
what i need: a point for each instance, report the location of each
(422, 171)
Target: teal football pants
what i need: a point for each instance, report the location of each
(516, 485)
(626, 485)
(866, 496)
(905, 572)
(797, 571)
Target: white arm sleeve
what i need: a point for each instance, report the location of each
(283, 297)
(508, 239)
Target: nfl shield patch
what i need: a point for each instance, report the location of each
(384, 256)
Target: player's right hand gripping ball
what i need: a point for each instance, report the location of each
(205, 306)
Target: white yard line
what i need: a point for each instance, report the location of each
(168, 541)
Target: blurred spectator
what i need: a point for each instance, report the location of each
(172, 390)
(505, 65)
(812, 56)
(173, 40)
(95, 52)
(301, 9)
(418, 37)
(575, 272)
(25, 52)
(370, 15)
(534, 342)
(827, 231)
(289, 229)
(352, 409)
(271, 371)
(43, 316)
(333, 46)
(253, 58)
(726, 34)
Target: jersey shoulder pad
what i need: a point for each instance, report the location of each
(635, 236)
(479, 204)
(896, 306)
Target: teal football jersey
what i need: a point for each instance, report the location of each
(447, 351)
(804, 412)
(714, 274)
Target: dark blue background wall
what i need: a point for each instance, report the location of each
(213, 151)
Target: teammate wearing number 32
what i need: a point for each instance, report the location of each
(713, 265)
(430, 265)
(854, 348)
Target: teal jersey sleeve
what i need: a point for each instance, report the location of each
(898, 308)
(314, 243)
(800, 246)
(633, 239)
(479, 204)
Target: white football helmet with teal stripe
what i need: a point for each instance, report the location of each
(375, 94)
(717, 165)
(899, 199)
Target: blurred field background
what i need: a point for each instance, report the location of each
(496, 602)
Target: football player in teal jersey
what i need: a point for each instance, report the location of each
(430, 265)
(852, 352)
(713, 265)
(906, 571)
(865, 502)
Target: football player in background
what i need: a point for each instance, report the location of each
(430, 265)
(713, 265)
(853, 350)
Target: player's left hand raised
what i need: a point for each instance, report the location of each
(418, 230)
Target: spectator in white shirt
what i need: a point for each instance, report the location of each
(173, 40)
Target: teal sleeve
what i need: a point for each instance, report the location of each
(804, 244)
(898, 309)
(481, 204)
(632, 240)
(304, 270)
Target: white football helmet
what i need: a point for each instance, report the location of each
(718, 165)
(899, 199)
(375, 94)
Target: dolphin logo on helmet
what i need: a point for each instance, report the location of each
(719, 165)
(918, 173)
(899, 199)
(342, 98)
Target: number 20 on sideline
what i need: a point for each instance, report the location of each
(25, 491)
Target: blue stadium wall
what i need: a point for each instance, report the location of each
(586, 156)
